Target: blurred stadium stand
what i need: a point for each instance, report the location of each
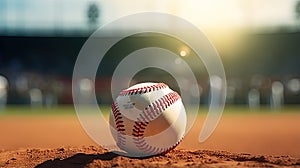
(38, 62)
(47, 63)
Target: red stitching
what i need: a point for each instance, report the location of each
(172, 147)
(142, 122)
(144, 89)
(119, 124)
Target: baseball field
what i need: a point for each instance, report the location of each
(53, 137)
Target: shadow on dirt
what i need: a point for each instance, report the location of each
(78, 160)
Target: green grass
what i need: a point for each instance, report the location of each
(59, 110)
(27, 110)
(70, 110)
(262, 110)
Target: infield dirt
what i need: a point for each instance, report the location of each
(259, 140)
(97, 157)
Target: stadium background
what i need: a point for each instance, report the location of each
(40, 41)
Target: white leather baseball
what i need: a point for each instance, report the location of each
(148, 119)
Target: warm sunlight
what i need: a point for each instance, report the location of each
(213, 13)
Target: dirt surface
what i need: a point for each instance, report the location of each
(261, 134)
(97, 157)
(257, 140)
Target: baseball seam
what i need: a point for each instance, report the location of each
(119, 124)
(149, 114)
(144, 89)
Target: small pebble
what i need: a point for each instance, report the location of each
(61, 149)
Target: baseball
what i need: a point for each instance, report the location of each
(148, 119)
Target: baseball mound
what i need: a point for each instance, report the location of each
(93, 156)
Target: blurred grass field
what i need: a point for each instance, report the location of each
(105, 109)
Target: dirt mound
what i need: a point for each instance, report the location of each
(93, 156)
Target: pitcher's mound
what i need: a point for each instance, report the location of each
(98, 157)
